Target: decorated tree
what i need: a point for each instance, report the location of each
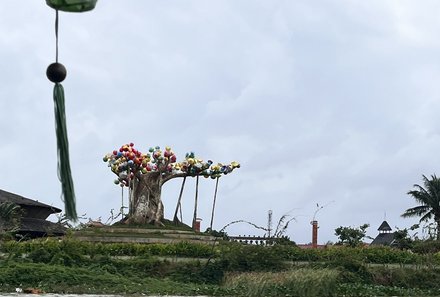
(144, 174)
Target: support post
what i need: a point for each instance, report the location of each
(314, 234)
(213, 204)
(195, 204)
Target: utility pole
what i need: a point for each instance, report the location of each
(269, 223)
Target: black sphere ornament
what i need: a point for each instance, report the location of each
(56, 72)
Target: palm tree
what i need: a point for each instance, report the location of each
(428, 196)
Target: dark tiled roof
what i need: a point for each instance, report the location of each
(384, 226)
(32, 225)
(383, 239)
(19, 200)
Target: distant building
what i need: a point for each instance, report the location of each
(385, 237)
(33, 222)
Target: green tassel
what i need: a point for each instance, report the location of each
(64, 173)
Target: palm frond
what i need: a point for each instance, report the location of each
(428, 196)
(8, 211)
(416, 211)
(426, 217)
(284, 228)
(433, 187)
(421, 195)
(280, 223)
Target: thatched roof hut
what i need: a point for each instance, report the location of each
(34, 223)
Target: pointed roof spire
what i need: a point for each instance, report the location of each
(384, 226)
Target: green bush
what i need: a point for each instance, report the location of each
(239, 257)
(372, 254)
(277, 253)
(52, 246)
(40, 255)
(351, 270)
(197, 272)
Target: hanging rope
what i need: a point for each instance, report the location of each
(56, 35)
(56, 73)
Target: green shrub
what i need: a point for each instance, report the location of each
(190, 272)
(379, 255)
(239, 257)
(40, 255)
(70, 246)
(351, 270)
(62, 258)
(372, 254)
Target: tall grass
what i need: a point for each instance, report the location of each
(304, 282)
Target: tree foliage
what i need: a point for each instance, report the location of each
(402, 240)
(351, 236)
(10, 215)
(428, 197)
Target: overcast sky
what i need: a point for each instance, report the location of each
(328, 102)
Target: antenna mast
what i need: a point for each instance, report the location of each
(269, 222)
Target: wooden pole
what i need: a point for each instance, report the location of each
(122, 202)
(132, 186)
(179, 206)
(213, 203)
(130, 195)
(180, 212)
(195, 204)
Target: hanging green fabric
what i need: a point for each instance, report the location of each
(56, 72)
(64, 173)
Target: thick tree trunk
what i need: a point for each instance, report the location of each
(146, 206)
